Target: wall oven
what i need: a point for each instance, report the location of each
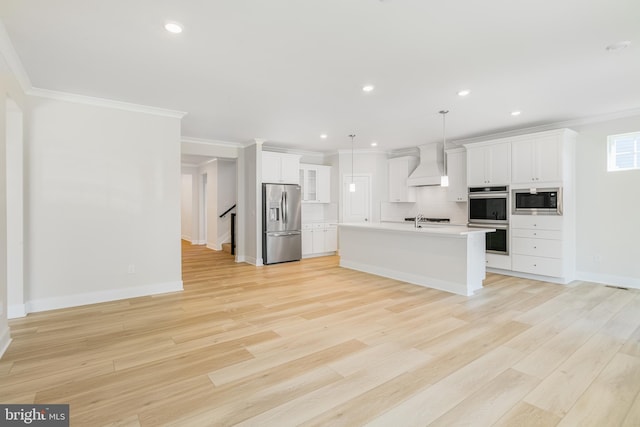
(537, 201)
(488, 205)
(489, 208)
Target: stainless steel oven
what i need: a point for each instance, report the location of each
(488, 205)
(497, 242)
(489, 208)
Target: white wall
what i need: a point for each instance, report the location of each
(103, 204)
(13, 96)
(607, 208)
(249, 204)
(227, 196)
(186, 207)
(210, 169)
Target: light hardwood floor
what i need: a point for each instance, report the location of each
(310, 343)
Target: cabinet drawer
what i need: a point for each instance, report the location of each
(498, 261)
(537, 247)
(536, 234)
(537, 265)
(319, 225)
(538, 222)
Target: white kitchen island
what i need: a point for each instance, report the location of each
(449, 258)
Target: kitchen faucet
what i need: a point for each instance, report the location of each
(417, 220)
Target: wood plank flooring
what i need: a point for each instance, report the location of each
(310, 343)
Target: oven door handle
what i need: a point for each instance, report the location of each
(488, 196)
(496, 226)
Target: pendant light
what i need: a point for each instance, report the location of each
(444, 179)
(352, 186)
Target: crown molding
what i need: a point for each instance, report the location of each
(363, 151)
(216, 142)
(12, 59)
(293, 151)
(103, 102)
(567, 124)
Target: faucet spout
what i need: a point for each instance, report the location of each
(417, 219)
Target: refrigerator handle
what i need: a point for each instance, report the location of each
(282, 206)
(286, 209)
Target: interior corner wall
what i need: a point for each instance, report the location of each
(227, 197)
(103, 204)
(9, 89)
(607, 208)
(186, 207)
(210, 169)
(249, 179)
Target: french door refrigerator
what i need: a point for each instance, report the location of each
(281, 223)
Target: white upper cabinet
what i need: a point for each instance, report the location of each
(399, 170)
(316, 183)
(489, 164)
(537, 159)
(280, 168)
(457, 173)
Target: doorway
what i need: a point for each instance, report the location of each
(356, 205)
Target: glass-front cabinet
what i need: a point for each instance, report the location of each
(316, 183)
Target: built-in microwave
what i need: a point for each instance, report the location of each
(537, 201)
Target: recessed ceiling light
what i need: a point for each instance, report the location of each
(618, 46)
(173, 27)
(367, 88)
(516, 113)
(374, 144)
(464, 92)
(323, 135)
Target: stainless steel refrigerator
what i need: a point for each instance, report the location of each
(281, 223)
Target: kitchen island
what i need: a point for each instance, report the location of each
(449, 258)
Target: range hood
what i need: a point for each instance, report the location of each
(431, 167)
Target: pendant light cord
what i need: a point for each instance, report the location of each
(352, 136)
(444, 138)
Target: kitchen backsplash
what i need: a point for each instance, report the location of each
(317, 212)
(431, 202)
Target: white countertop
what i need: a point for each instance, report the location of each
(435, 229)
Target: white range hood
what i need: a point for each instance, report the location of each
(431, 167)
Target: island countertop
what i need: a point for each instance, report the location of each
(435, 229)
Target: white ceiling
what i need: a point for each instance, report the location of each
(288, 70)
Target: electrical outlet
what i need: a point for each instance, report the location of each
(131, 269)
(597, 258)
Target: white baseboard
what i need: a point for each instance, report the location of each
(55, 303)
(198, 242)
(249, 260)
(318, 255)
(550, 279)
(5, 340)
(16, 310)
(225, 238)
(609, 279)
(214, 247)
(187, 238)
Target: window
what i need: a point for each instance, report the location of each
(623, 152)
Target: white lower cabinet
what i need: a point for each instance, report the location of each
(319, 239)
(537, 245)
